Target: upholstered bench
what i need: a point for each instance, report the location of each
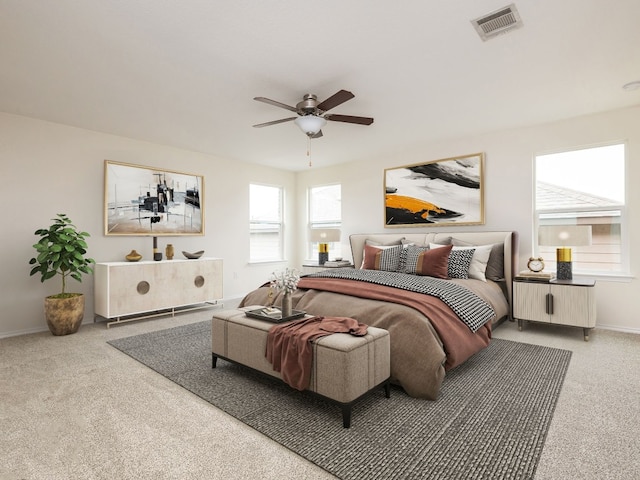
(345, 367)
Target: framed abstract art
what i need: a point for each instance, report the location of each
(437, 193)
(142, 200)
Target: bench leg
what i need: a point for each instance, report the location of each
(214, 360)
(387, 389)
(346, 416)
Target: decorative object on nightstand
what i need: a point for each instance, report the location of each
(324, 236)
(338, 263)
(169, 251)
(564, 237)
(535, 271)
(535, 264)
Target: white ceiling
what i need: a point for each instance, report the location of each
(184, 73)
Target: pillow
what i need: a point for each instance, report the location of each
(375, 243)
(381, 245)
(459, 261)
(495, 265)
(442, 241)
(382, 258)
(423, 261)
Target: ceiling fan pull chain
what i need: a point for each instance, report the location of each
(309, 149)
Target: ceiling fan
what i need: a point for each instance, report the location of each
(312, 115)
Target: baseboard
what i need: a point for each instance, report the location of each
(619, 329)
(26, 331)
(225, 303)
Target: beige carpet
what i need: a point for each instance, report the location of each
(75, 408)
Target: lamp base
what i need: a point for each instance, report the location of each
(564, 271)
(323, 253)
(565, 268)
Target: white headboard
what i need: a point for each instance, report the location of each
(510, 240)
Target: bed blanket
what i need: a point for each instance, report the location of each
(426, 336)
(471, 309)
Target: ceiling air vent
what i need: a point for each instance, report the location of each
(498, 22)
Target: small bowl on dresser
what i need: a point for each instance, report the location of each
(194, 255)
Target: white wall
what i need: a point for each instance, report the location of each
(508, 199)
(47, 168)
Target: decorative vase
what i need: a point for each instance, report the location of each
(133, 256)
(169, 251)
(64, 315)
(286, 305)
(157, 255)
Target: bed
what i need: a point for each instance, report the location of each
(435, 322)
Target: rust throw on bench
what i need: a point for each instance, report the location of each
(289, 347)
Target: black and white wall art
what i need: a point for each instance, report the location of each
(438, 193)
(142, 200)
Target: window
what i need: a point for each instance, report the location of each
(325, 211)
(265, 223)
(585, 187)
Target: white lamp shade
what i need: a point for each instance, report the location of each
(325, 235)
(564, 235)
(310, 124)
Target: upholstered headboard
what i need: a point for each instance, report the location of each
(509, 239)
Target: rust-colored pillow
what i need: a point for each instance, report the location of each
(434, 262)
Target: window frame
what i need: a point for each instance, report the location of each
(277, 224)
(312, 247)
(624, 272)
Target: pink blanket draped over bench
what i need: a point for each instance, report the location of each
(289, 347)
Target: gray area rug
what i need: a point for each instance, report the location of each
(490, 421)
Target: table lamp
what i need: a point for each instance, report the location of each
(324, 236)
(564, 237)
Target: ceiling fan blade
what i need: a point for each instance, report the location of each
(274, 122)
(275, 104)
(350, 119)
(335, 100)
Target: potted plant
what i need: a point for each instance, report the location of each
(61, 251)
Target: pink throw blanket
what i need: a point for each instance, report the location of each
(289, 345)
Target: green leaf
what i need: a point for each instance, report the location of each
(48, 275)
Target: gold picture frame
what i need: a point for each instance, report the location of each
(442, 192)
(148, 201)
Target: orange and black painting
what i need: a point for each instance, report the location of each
(441, 192)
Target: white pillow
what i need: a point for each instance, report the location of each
(478, 262)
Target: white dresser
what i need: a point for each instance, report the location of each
(133, 290)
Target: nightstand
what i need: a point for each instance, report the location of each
(560, 302)
(313, 267)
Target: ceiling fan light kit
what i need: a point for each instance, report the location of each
(310, 124)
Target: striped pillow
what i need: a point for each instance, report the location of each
(381, 258)
(423, 261)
